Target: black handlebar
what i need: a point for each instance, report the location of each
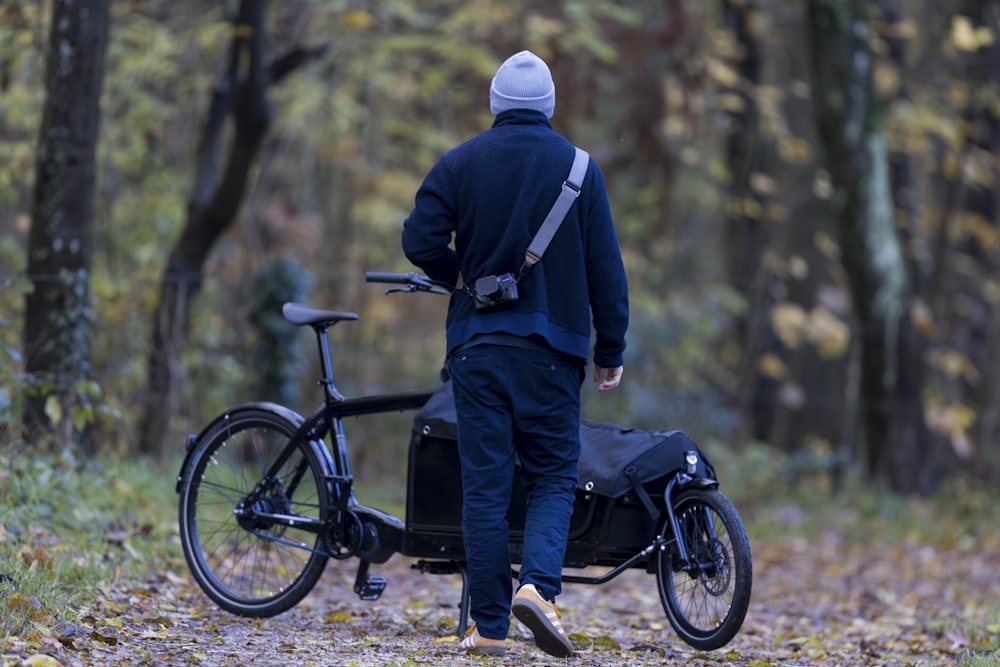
(414, 282)
(393, 278)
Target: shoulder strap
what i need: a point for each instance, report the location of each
(570, 191)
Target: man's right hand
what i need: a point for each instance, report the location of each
(607, 378)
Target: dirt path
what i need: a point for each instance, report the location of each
(814, 604)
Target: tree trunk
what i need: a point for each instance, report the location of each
(214, 204)
(746, 237)
(850, 118)
(58, 316)
(212, 208)
(972, 314)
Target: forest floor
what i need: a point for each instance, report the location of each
(815, 602)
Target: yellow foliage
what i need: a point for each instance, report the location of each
(985, 232)
(731, 102)
(952, 364)
(745, 207)
(605, 641)
(338, 617)
(23, 605)
(823, 185)
(887, 78)
(795, 150)
(923, 318)
(36, 555)
(789, 322)
(771, 366)
(977, 168)
(967, 37)
(357, 19)
(953, 421)
(829, 333)
(798, 267)
(53, 409)
(773, 262)
(722, 73)
(123, 488)
(763, 183)
(819, 327)
(828, 246)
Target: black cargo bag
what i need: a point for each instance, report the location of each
(613, 459)
(608, 450)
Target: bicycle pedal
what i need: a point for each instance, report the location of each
(371, 589)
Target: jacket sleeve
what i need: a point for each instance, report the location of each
(607, 284)
(427, 232)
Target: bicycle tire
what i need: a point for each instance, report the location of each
(244, 569)
(706, 606)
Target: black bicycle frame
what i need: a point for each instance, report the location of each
(327, 419)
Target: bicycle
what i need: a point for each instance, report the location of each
(264, 504)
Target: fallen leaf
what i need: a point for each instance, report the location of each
(959, 638)
(41, 660)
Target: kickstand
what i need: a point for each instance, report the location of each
(451, 567)
(463, 608)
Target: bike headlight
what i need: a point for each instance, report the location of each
(692, 462)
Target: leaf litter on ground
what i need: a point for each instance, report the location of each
(815, 602)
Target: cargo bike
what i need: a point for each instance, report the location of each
(266, 499)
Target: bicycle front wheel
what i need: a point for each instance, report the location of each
(706, 597)
(248, 565)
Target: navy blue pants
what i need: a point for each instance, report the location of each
(511, 400)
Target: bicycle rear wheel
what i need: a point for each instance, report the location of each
(706, 598)
(251, 566)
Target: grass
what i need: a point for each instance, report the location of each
(778, 497)
(67, 528)
(991, 659)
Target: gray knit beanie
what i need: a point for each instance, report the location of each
(523, 82)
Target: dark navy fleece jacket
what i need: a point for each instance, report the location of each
(491, 194)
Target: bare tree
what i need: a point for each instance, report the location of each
(966, 264)
(746, 233)
(215, 201)
(850, 115)
(58, 316)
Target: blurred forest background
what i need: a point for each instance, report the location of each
(806, 194)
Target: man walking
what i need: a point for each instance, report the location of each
(518, 340)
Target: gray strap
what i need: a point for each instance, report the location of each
(570, 191)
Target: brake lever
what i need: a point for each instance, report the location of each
(425, 284)
(418, 283)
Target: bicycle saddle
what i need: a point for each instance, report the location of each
(300, 313)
